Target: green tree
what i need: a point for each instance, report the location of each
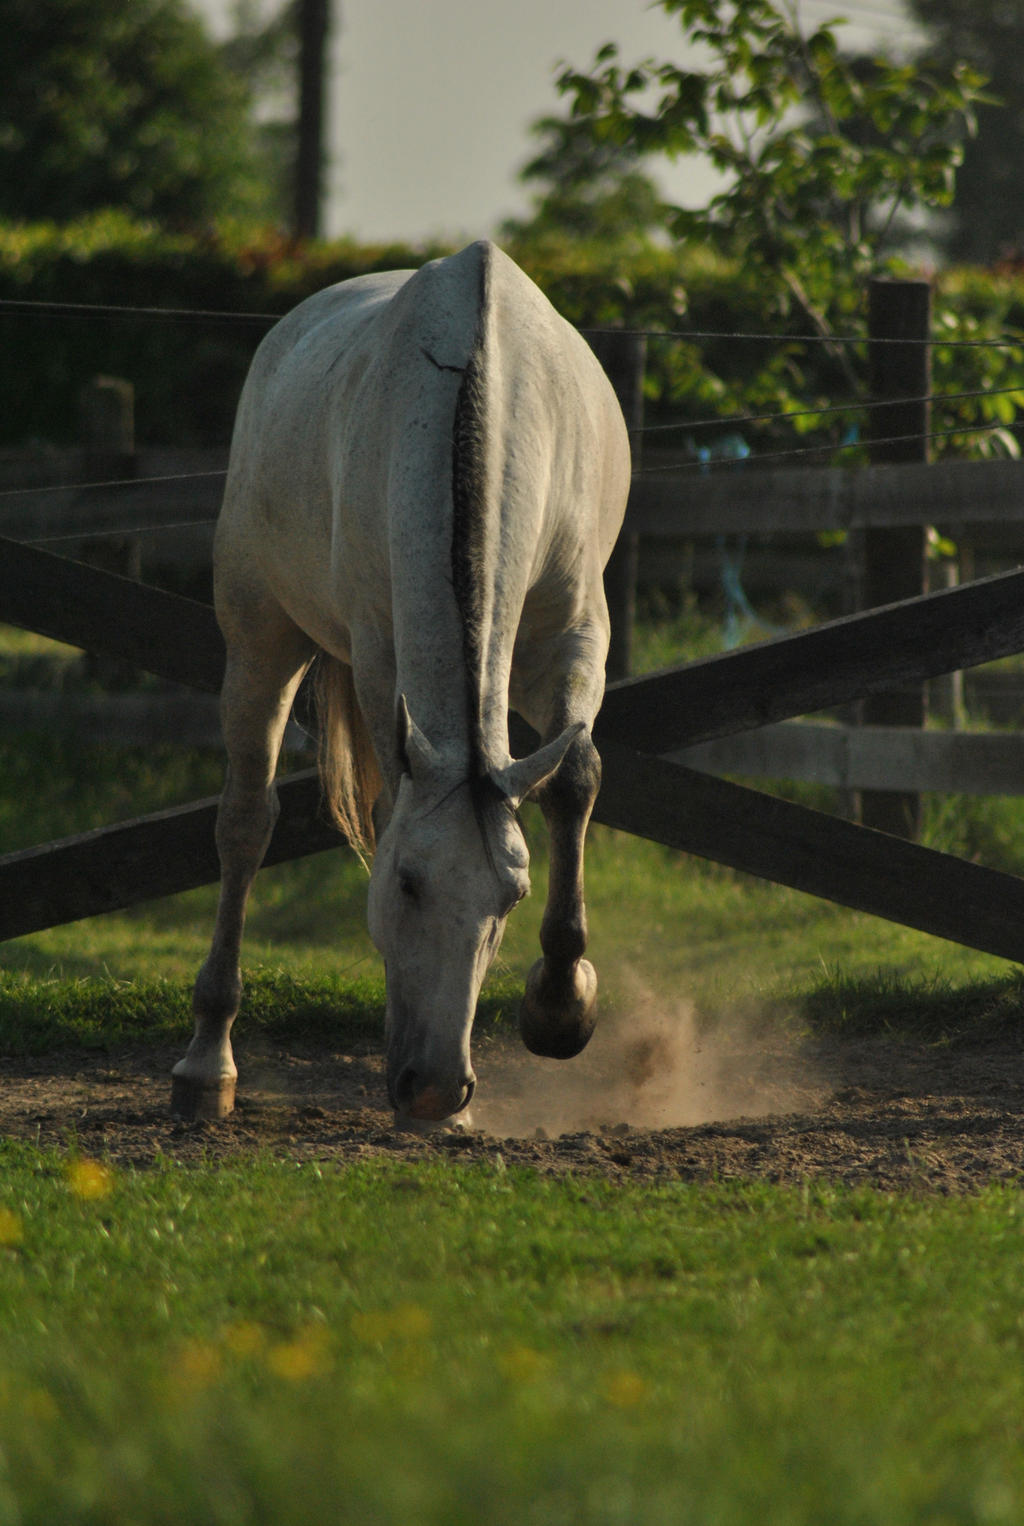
(114, 104)
(986, 218)
(819, 157)
(822, 156)
(590, 187)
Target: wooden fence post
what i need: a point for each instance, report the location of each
(624, 356)
(895, 565)
(107, 424)
(107, 412)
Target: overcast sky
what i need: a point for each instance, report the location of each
(430, 101)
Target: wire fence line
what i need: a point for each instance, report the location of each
(686, 467)
(119, 482)
(680, 467)
(148, 529)
(12, 307)
(734, 463)
(23, 306)
(106, 311)
(1006, 342)
(735, 421)
(726, 421)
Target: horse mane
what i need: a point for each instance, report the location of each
(469, 524)
(469, 560)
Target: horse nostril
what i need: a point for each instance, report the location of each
(407, 1089)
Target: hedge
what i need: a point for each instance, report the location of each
(187, 376)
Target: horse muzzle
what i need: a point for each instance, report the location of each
(416, 1094)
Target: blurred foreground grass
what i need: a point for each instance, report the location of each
(443, 1344)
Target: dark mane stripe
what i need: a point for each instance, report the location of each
(469, 524)
(469, 545)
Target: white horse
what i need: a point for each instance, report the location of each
(427, 475)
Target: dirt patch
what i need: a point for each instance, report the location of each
(658, 1102)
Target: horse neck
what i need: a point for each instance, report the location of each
(463, 712)
(460, 576)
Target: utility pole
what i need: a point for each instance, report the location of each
(314, 30)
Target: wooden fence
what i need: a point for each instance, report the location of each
(662, 508)
(643, 729)
(645, 791)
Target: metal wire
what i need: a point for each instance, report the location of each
(730, 421)
(813, 450)
(92, 487)
(676, 466)
(15, 306)
(90, 534)
(1005, 343)
(734, 420)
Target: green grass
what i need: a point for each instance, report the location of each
(442, 1344)
(265, 1341)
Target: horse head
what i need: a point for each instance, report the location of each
(450, 866)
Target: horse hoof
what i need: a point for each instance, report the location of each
(458, 1123)
(199, 1100)
(557, 1018)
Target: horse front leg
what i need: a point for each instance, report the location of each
(203, 1082)
(255, 704)
(559, 1008)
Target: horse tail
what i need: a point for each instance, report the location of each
(349, 774)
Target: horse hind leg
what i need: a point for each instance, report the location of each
(559, 1008)
(260, 682)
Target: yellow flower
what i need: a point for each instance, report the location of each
(410, 1322)
(244, 1338)
(624, 1389)
(521, 1364)
(197, 1365)
(304, 1356)
(40, 1405)
(90, 1179)
(407, 1322)
(11, 1229)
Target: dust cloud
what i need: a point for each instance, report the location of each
(651, 1064)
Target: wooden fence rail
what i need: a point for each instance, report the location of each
(652, 796)
(869, 758)
(838, 756)
(678, 504)
(830, 664)
(746, 499)
(111, 616)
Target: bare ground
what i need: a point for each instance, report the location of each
(656, 1102)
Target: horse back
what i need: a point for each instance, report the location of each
(424, 454)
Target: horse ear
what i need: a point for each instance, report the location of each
(525, 774)
(416, 754)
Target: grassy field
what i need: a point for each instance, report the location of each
(265, 1341)
(274, 1343)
